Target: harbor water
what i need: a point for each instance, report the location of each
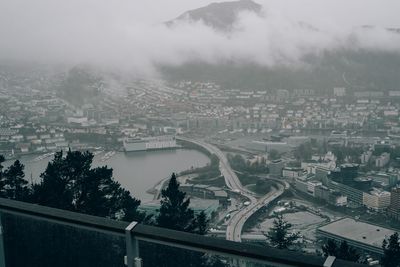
(136, 171)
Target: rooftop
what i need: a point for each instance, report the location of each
(379, 192)
(358, 231)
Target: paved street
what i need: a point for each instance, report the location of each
(238, 219)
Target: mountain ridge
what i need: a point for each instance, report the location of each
(366, 69)
(220, 16)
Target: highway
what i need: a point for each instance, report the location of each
(235, 225)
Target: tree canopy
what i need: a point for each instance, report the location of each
(303, 151)
(279, 235)
(342, 251)
(12, 182)
(175, 212)
(274, 154)
(391, 251)
(240, 164)
(2, 159)
(69, 182)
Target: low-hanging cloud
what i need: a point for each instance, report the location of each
(107, 34)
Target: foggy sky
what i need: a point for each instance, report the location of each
(130, 34)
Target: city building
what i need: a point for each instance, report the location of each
(149, 143)
(311, 186)
(267, 146)
(365, 157)
(339, 91)
(302, 185)
(297, 140)
(322, 173)
(360, 235)
(376, 199)
(345, 174)
(382, 145)
(337, 135)
(292, 172)
(384, 179)
(353, 194)
(206, 191)
(394, 207)
(330, 196)
(382, 160)
(275, 167)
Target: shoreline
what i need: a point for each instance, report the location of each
(155, 190)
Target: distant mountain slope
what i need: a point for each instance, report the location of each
(220, 16)
(348, 65)
(363, 70)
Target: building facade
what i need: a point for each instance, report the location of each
(394, 208)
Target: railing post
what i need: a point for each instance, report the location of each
(132, 248)
(329, 261)
(2, 254)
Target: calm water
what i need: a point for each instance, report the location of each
(136, 171)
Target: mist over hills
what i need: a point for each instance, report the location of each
(79, 85)
(243, 44)
(355, 70)
(356, 63)
(220, 16)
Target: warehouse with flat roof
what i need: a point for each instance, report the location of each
(361, 235)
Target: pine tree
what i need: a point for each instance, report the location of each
(54, 190)
(201, 223)
(70, 183)
(347, 253)
(2, 159)
(279, 235)
(14, 185)
(330, 248)
(343, 251)
(175, 214)
(174, 211)
(391, 251)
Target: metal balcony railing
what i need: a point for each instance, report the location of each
(12, 212)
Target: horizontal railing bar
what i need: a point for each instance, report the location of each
(235, 249)
(219, 253)
(63, 216)
(168, 237)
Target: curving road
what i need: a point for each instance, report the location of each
(235, 225)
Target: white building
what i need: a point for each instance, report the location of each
(293, 173)
(339, 91)
(311, 186)
(365, 156)
(281, 147)
(376, 199)
(160, 142)
(311, 167)
(330, 156)
(77, 120)
(340, 201)
(391, 113)
(149, 143)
